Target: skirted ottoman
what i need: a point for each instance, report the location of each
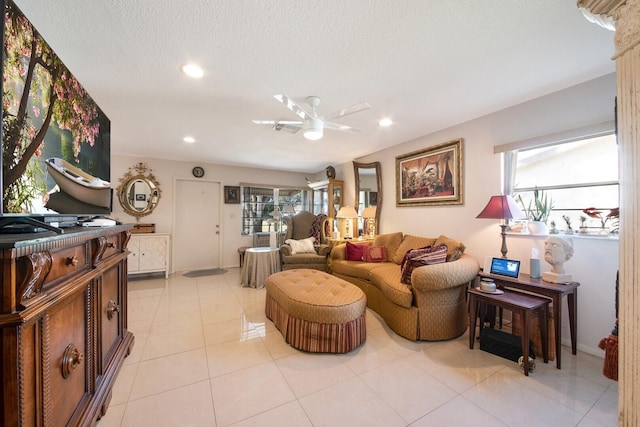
(315, 311)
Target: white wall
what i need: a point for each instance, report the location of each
(596, 260)
(167, 171)
(594, 264)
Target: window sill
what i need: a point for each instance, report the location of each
(614, 237)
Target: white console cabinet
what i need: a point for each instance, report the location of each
(149, 253)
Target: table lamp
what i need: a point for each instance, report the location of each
(347, 214)
(369, 215)
(504, 208)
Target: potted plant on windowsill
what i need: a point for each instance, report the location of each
(537, 211)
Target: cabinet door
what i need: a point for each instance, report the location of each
(67, 365)
(133, 261)
(153, 253)
(111, 307)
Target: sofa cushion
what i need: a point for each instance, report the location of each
(374, 254)
(411, 242)
(359, 269)
(387, 279)
(390, 241)
(434, 255)
(303, 246)
(455, 249)
(355, 251)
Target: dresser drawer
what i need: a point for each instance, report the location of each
(112, 246)
(66, 263)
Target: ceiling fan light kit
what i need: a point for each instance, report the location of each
(312, 126)
(313, 129)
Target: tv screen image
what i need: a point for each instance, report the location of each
(55, 138)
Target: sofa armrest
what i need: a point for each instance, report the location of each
(339, 252)
(323, 249)
(446, 275)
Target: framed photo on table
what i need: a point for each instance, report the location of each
(432, 176)
(231, 194)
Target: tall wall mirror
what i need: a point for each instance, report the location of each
(368, 180)
(138, 192)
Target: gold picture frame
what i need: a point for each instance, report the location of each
(432, 176)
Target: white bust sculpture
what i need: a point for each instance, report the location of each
(557, 251)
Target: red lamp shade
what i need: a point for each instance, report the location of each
(502, 207)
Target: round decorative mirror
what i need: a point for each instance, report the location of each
(138, 192)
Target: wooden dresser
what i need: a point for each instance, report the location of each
(63, 325)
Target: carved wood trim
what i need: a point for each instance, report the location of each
(36, 266)
(101, 246)
(46, 362)
(627, 19)
(126, 236)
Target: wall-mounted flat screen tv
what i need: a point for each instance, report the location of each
(55, 139)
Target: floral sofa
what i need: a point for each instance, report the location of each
(433, 305)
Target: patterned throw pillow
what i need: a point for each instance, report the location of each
(355, 252)
(434, 255)
(316, 228)
(374, 254)
(412, 253)
(455, 249)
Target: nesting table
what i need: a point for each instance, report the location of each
(518, 303)
(554, 291)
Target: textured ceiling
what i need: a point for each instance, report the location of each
(426, 64)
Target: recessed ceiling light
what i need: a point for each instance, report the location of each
(193, 70)
(189, 139)
(386, 122)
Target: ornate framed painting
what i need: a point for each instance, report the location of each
(432, 176)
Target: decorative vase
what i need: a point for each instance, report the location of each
(538, 227)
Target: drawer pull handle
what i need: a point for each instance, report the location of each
(112, 308)
(72, 260)
(111, 245)
(70, 360)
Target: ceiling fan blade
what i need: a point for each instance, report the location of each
(341, 127)
(346, 111)
(293, 106)
(288, 128)
(275, 122)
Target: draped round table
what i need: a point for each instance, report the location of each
(259, 263)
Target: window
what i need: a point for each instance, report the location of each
(576, 175)
(261, 215)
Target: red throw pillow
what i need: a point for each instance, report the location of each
(355, 252)
(434, 255)
(374, 254)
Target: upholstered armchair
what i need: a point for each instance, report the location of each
(300, 227)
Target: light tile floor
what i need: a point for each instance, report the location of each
(205, 355)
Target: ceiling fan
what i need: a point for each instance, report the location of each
(312, 126)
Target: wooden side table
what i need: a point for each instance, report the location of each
(515, 302)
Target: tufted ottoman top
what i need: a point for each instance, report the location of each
(316, 296)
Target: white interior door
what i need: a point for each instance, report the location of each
(196, 230)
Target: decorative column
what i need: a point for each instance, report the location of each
(625, 15)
